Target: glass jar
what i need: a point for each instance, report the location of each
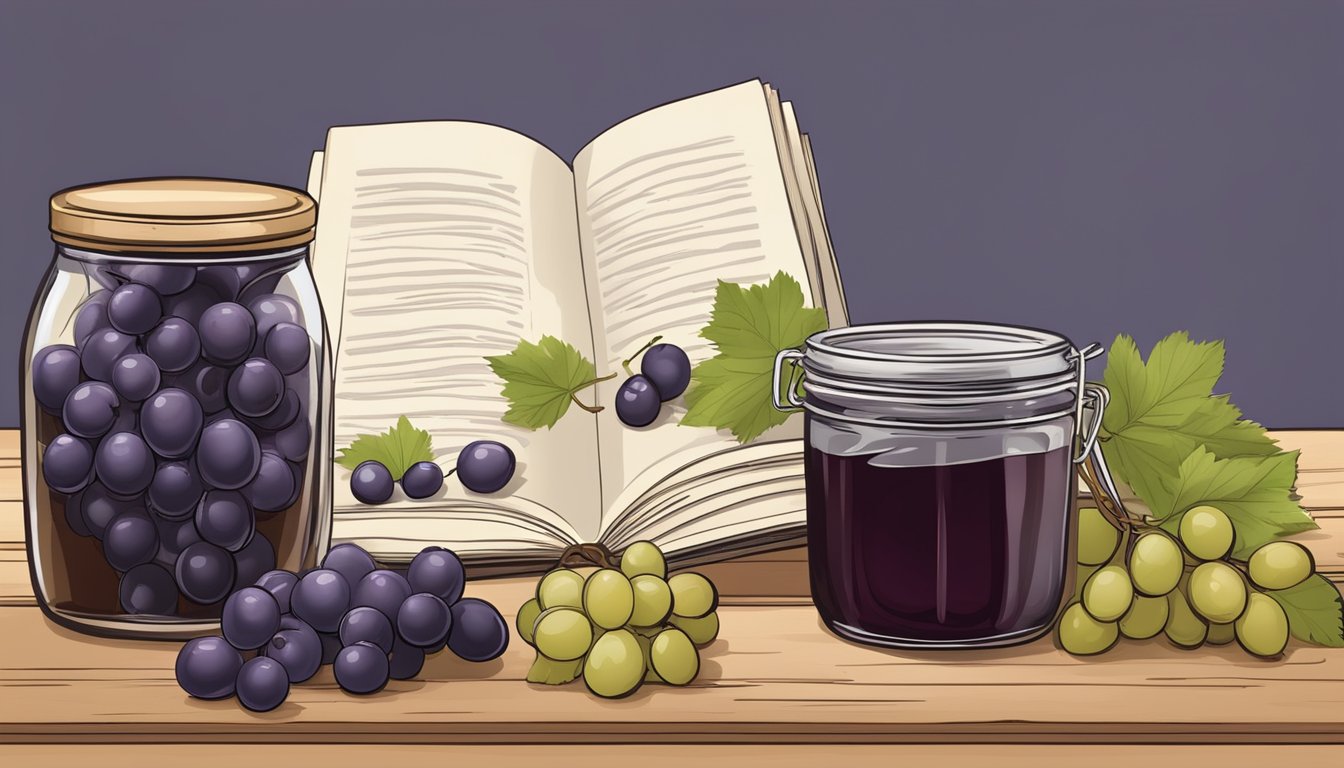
(939, 463)
(175, 403)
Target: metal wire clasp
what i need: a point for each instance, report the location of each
(791, 399)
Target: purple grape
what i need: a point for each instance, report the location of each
(135, 377)
(299, 651)
(148, 589)
(438, 571)
(292, 441)
(279, 584)
(74, 514)
(67, 464)
(668, 368)
(275, 487)
(255, 387)
(90, 409)
(485, 466)
(349, 560)
(371, 483)
(131, 540)
(175, 490)
(381, 589)
(263, 684)
(331, 645)
(253, 560)
(435, 648)
(171, 422)
(192, 303)
(423, 620)
(134, 309)
(55, 374)
(167, 279)
(361, 668)
(207, 668)
(282, 416)
(227, 333)
(287, 346)
(479, 632)
(225, 519)
(271, 309)
(104, 348)
(637, 401)
(204, 573)
(222, 279)
(207, 383)
(228, 455)
(406, 660)
(124, 464)
(422, 480)
(173, 344)
(367, 625)
(249, 618)
(174, 536)
(260, 279)
(92, 315)
(99, 508)
(321, 598)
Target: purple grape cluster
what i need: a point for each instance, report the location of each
(664, 373)
(371, 624)
(180, 415)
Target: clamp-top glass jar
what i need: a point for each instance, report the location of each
(939, 463)
(175, 385)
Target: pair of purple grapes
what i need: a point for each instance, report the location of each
(484, 466)
(664, 373)
(372, 625)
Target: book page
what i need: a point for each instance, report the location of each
(672, 201)
(440, 244)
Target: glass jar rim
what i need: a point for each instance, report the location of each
(197, 259)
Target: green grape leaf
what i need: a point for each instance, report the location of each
(748, 326)
(548, 671)
(1255, 492)
(541, 380)
(1162, 410)
(1315, 611)
(397, 449)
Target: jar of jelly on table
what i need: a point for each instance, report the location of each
(940, 471)
(175, 388)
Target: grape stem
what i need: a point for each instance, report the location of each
(586, 555)
(573, 395)
(627, 361)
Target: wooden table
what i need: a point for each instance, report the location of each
(776, 687)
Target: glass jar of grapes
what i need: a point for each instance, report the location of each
(175, 386)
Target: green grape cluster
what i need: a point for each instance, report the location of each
(619, 628)
(1144, 582)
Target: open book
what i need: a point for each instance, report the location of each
(440, 243)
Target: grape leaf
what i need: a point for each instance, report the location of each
(1315, 611)
(1254, 491)
(1162, 410)
(541, 380)
(748, 326)
(548, 671)
(397, 449)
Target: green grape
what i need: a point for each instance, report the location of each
(1155, 564)
(1145, 618)
(1206, 532)
(562, 634)
(615, 666)
(643, 557)
(1082, 635)
(673, 656)
(653, 600)
(1108, 594)
(1184, 628)
(1263, 628)
(1097, 537)
(1221, 634)
(585, 571)
(608, 598)
(1280, 565)
(693, 595)
(1217, 592)
(702, 631)
(559, 588)
(527, 619)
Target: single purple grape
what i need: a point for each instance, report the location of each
(173, 345)
(438, 571)
(299, 651)
(171, 421)
(192, 303)
(124, 463)
(371, 483)
(225, 519)
(423, 620)
(364, 624)
(220, 278)
(637, 401)
(148, 589)
(361, 668)
(249, 618)
(349, 560)
(134, 309)
(204, 573)
(227, 333)
(283, 414)
(228, 455)
(207, 668)
(479, 632)
(175, 490)
(292, 441)
(255, 387)
(406, 660)
(135, 377)
(90, 409)
(287, 346)
(253, 560)
(422, 480)
(321, 598)
(166, 279)
(74, 514)
(131, 540)
(485, 466)
(271, 309)
(381, 589)
(280, 584)
(668, 367)
(67, 464)
(207, 383)
(55, 372)
(92, 315)
(263, 684)
(104, 348)
(275, 487)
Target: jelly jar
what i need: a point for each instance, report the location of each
(175, 403)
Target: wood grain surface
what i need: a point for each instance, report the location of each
(775, 679)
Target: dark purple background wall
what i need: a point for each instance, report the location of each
(1088, 167)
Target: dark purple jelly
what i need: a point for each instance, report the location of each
(957, 555)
